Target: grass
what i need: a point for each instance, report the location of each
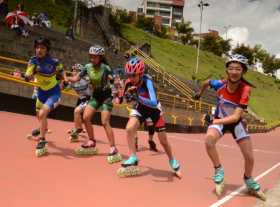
(181, 60)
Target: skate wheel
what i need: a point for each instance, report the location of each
(128, 171)
(121, 172)
(29, 136)
(114, 158)
(41, 152)
(259, 194)
(178, 174)
(73, 139)
(220, 188)
(86, 151)
(49, 131)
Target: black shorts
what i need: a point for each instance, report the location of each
(143, 113)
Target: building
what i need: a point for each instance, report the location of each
(258, 66)
(277, 74)
(171, 11)
(210, 32)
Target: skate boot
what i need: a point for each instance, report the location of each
(254, 188)
(74, 134)
(153, 146)
(41, 148)
(129, 167)
(174, 164)
(218, 178)
(114, 155)
(86, 149)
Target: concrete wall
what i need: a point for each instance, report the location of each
(20, 90)
(15, 97)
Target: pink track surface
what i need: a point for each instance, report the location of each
(63, 179)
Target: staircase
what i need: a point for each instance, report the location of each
(164, 77)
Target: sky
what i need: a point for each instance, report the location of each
(248, 21)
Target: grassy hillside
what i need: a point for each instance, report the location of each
(181, 60)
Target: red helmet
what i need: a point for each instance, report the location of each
(135, 66)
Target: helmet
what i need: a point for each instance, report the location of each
(43, 41)
(77, 66)
(240, 59)
(135, 66)
(96, 50)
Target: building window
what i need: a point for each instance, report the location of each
(175, 16)
(178, 9)
(140, 10)
(151, 12)
(164, 13)
(178, 13)
(165, 21)
(164, 6)
(151, 4)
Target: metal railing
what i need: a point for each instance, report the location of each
(166, 99)
(165, 76)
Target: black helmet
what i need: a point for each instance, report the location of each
(43, 41)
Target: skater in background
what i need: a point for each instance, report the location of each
(101, 79)
(46, 70)
(140, 93)
(149, 125)
(233, 97)
(84, 90)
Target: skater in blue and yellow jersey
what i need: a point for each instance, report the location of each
(101, 80)
(47, 72)
(232, 99)
(139, 91)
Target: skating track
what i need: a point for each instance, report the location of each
(62, 179)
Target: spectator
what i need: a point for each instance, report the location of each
(19, 27)
(43, 20)
(17, 73)
(19, 7)
(35, 19)
(117, 88)
(70, 33)
(4, 9)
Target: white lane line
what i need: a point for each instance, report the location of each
(222, 145)
(237, 191)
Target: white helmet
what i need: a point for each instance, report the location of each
(77, 66)
(96, 50)
(238, 58)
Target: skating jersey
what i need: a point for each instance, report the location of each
(82, 87)
(45, 71)
(227, 102)
(146, 92)
(99, 79)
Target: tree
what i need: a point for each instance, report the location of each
(162, 33)
(185, 32)
(123, 16)
(145, 23)
(215, 44)
(246, 51)
(270, 63)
